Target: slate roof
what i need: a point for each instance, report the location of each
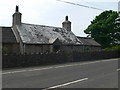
(8, 35)
(88, 41)
(41, 34)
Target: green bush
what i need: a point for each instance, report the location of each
(117, 47)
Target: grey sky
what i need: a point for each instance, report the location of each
(53, 12)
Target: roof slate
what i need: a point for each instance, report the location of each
(8, 35)
(88, 41)
(41, 34)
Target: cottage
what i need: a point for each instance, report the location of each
(29, 38)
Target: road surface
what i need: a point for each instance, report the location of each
(92, 74)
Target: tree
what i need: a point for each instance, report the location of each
(104, 30)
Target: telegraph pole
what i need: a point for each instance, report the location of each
(118, 19)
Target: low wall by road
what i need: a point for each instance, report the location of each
(14, 60)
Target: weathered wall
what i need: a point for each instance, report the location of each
(36, 48)
(71, 48)
(63, 48)
(10, 48)
(10, 61)
(18, 38)
(79, 48)
(92, 48)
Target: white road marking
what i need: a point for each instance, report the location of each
(65, 84)
(60, 66)
(27, 70)
(118, 69)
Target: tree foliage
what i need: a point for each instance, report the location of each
(104, 29)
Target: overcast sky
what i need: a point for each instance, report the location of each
(53, 12)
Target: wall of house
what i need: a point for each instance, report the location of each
(71, 48)
(58, 48)
(79, 48)
(18, 38)
(92, 48)
(30, 49)
(9, 48)
(51, 48)
(36, 48)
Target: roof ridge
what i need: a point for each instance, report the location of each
(5, 26)
(42, 25)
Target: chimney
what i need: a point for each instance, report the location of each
(17, 17)
(66, 24)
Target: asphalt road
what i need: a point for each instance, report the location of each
(94, 74)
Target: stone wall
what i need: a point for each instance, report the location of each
(72, 48)
(79, 48)
(36, 48)
(10, 61)
(10, 48)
